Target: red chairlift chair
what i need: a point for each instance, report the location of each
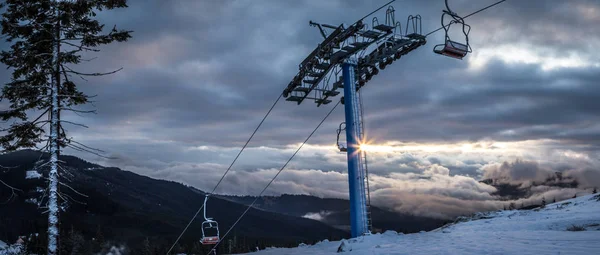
(452, 48)
(210, 229)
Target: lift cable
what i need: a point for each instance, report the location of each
(290, 159)
(274, 177)
(227, 171)
(465, 17)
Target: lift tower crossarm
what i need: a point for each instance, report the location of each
(321, 54)
(320, 26)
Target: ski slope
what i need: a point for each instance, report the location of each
(537, 231)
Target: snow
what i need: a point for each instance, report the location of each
(32, 200)
(14, 249)
(93, 168)
(116, 251)
(32, 175)
(538, 231)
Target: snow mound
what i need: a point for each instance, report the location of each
(566, 227)
(14, 249)
(93, 168)
(32, 175)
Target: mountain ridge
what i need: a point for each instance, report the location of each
(335, 212)
(129, 207)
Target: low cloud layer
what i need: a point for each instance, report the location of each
(415, 182)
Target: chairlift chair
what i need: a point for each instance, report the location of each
(452, 48)
(206, 238)
(210, 229)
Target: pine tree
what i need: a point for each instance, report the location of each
(147, 247)
(543, 202)
(99, 239)
(594, 191)
(48, 38)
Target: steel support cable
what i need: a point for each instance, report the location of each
(227, 171)
(274, 177)
(201, 207)
(465, 17)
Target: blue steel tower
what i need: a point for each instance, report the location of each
(358, 196)
(347, 59)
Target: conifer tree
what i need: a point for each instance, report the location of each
(543, 202)
(147, 247)
(49, 37)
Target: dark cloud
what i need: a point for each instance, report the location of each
(517, 172)
(199, 76)
(207, 75)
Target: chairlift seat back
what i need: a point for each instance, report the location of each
(208, 240)
(457, 47)
(453, 49)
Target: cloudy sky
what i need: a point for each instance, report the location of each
(199, 76)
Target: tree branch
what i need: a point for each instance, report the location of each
(73, 123)
(87, 147)
(80, 47)
(78, 148)
(71, 188)
(8, 168)
(69, 198)
(12, 190)
(91, 74)
(78, 111)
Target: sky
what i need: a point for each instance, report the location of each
(198, 76)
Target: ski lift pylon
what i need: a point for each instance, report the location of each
(210, 229)
(452, 48)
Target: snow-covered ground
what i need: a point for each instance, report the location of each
(538, 231)
(9, 249)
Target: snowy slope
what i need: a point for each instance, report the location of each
(538, 231)
(9, 250)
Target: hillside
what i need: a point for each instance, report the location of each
(336, 212)
(128, 207)
(566, 227)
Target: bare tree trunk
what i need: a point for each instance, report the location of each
(53, 206)
(53, 177)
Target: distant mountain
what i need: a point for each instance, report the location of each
(336, 212)
(121, 205)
